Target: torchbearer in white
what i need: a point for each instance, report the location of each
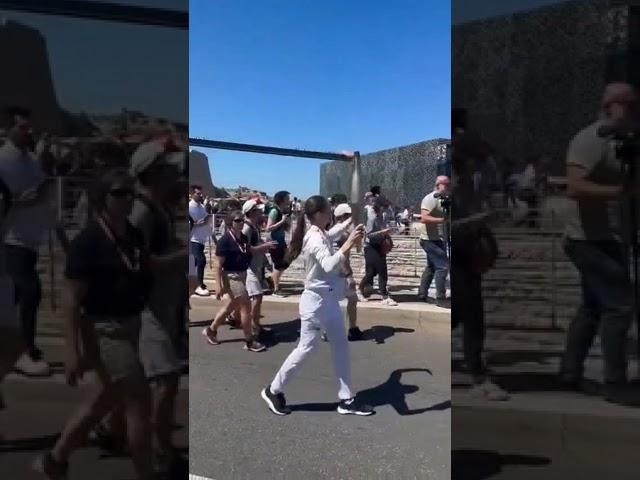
(319, 307)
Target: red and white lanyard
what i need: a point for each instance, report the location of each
(131, 266)
(242, 248)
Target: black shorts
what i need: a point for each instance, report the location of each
(277, 257)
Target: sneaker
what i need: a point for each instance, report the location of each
(352, 407)
(324, 337)
(211, 336)
(355, 334)
(390, 302)
(47, 466)
(276, 402)
(278, 294)
(361, 297)
(32, 368)
(254, 346)
(202, 292)
(444, 303)
(490, 391)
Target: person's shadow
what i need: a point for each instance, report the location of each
(380, 333)
(391, 392)
(481, 465)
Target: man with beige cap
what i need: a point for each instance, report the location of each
(596, 241)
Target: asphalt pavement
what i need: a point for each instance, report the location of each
(37, 409)
(402, 369)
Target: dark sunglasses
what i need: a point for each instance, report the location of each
(121, 193)
(238, 220)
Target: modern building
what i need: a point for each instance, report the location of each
(530, 80)
(405, 174)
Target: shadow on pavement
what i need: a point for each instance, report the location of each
(480, 464)
(28, 444)
(380, 333)
(391, 392)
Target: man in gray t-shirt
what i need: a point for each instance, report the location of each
(432, 240)
(595, 242)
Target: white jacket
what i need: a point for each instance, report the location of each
(321, 261)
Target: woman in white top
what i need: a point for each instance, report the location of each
(319, 307)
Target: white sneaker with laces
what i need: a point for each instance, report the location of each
(33, 368)
(490, 391)
(390, 302)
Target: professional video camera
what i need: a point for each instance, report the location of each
(627, 134)
(445, 200)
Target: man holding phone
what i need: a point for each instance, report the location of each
(377, 246)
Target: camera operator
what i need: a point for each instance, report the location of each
(473, 253)
(434, 242)
(596, 242)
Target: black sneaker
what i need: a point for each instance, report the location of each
(276, 402)
(444, 303)
(352, 407)
(254, 346)
(355, 334)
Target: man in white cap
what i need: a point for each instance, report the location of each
(597, 243)
(339, 233)
(253, 211)
(158, 167)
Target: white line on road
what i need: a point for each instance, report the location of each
(197, 477)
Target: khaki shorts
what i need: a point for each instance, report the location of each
(114, 353)
(235, 283)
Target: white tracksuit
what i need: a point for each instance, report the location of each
(320, 310)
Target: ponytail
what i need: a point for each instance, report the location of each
(295, 247)
(312, 206)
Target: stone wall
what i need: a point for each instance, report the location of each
(405, 174)
(531, 80)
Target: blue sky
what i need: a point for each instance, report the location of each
(101, 67)
(325, 75)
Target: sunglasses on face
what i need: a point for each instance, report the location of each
(121, 193)
(238, 220)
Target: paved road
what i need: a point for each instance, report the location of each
(37, 410)
(234, 436)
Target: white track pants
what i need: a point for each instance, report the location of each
(318, 313)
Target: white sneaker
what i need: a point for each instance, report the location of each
(390, 302)
(490, 391)
(362, 298)
(202, 292)
(278, 294)
(33, 368)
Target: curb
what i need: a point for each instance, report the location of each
(405, 311)
(565, 430)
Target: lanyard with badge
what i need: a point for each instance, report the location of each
(241, 247)
(131, 266)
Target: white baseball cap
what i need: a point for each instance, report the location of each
(148, 153)
(342, 209)
(250, 205)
